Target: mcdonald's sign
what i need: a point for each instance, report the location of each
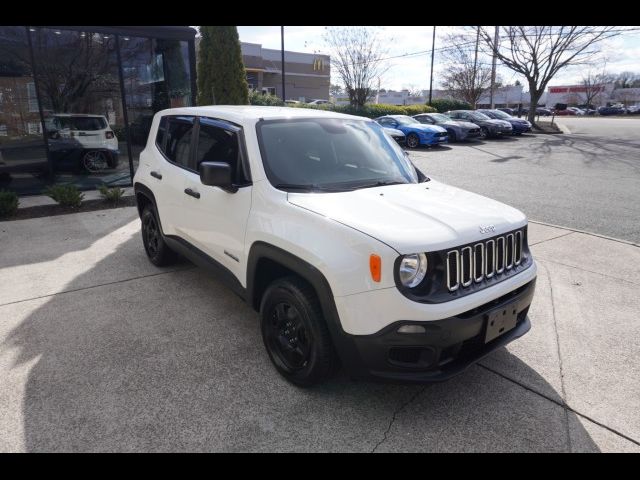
(318, 64)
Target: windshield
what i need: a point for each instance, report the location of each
(404, 120)
(331, 154)
(439, 117)
(478, 116)
(499, 114)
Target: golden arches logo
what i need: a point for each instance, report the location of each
(318, 64)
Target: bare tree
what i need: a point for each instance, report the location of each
(357, 55)
(539, 53)
(413, 90)
(466, 78)
(627, 80)
(594, 85)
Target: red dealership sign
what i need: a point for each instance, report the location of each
(576, 89)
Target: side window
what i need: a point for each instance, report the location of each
(162, 131)
(216, 144)
(179, 133)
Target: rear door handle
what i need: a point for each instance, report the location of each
(156, 175)
(192, 193)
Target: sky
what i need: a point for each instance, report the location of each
(622, 53)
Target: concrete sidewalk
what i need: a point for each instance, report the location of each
(101, 351)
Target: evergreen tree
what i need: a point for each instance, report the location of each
(221, 75)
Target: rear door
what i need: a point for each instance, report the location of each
(214, 219)
(167, 176)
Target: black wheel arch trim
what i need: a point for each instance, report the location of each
(344, 343)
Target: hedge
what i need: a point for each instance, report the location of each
(372, 110)
(445, 104)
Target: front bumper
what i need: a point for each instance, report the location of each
(446, 349)
(435, 139)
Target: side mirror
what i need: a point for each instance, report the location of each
(217, 174)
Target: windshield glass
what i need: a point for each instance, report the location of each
(478, 116)
(404, 120)
(331, 154)
(439, 117)
(499, 114)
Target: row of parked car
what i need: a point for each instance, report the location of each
(429, 129)
(611, 110)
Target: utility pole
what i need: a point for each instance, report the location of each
(282, 49)
(433, 45)
(475, 65)
(493, 65)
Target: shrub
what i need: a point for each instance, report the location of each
(373, 110)
(445, 104)
(257, 98)
(8, 203)
(111, 195)
(66, 195)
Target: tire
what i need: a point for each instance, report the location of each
(484, 132)
(94, 161)
(157, 250)
(413, 141)
(452, 136)
(295, 333)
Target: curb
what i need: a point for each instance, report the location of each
(586, 233)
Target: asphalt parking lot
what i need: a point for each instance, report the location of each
(101, 351)
(588, 180)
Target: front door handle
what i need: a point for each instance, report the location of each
(156, 175)
(192, 193)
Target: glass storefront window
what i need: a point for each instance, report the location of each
(23, 154)
(156, 76)
(63, 94)
(79, 86)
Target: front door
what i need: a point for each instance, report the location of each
(214, 220)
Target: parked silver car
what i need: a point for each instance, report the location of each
(457, 130)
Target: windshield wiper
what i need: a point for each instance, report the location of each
(310, 187)
(379, 183)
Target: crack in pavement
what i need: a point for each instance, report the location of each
(395, 413)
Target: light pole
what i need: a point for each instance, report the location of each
(493, 66)
(433, 46)
(282, 43)
(475, 65)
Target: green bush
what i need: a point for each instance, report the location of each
(111, 195)
(66, 195)
(8, 203)
(257, 98)
(373, 110)
(445, 104)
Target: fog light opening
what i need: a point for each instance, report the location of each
(412, 329)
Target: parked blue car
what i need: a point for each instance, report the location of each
(417, 133)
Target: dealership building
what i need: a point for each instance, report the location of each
(76, 103)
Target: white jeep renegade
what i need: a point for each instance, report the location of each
(351, 255)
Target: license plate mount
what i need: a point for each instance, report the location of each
(500, 321)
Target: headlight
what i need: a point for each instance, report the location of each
(413, 269)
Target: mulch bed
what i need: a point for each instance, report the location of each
(546, 127)
(86, 206)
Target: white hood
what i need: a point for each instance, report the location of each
(416, 217)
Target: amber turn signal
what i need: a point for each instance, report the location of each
(375, 266)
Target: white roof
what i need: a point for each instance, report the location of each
(246, 113)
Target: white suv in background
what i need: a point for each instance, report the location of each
(350, 254)
(88, 136)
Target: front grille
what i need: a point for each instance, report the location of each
(483, 260)
(441, 134)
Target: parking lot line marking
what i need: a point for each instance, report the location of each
(586, 233)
